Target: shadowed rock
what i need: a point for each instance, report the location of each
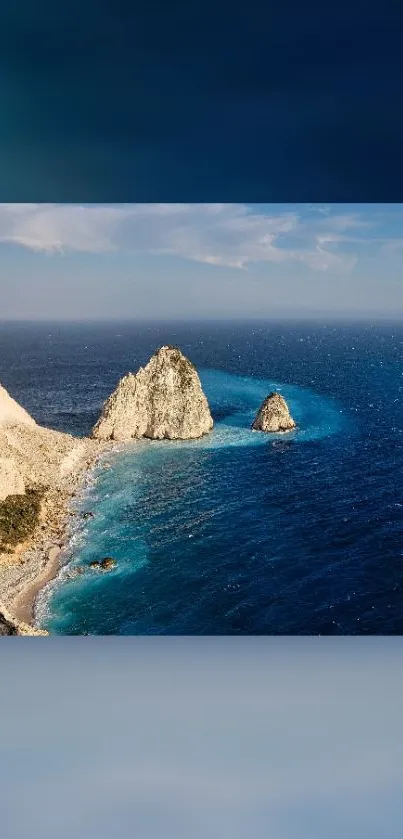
(10, 626)
(164, 400)
(273, 415)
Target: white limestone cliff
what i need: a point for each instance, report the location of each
(11, 478)
(11, 412)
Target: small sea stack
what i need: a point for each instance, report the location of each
(106, 564)
(162, 401)
(273, 415)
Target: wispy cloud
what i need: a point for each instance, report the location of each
(50, 227)
(231, 235)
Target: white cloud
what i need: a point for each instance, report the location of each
(48, 227)
(231, 235)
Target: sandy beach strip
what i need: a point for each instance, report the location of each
(31, 567)
(24, 603)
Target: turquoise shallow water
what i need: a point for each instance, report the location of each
(163, 510)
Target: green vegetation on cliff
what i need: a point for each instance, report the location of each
(19, 516)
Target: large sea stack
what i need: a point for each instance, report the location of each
(273, 415)
(163, 400)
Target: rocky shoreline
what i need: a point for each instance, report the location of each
(24, 573)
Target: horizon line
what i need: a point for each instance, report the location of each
(281, 317)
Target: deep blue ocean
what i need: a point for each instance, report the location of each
(239, 533)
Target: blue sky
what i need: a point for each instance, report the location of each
(93, 261)
(270, 739)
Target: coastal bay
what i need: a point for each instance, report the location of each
(236, 532)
